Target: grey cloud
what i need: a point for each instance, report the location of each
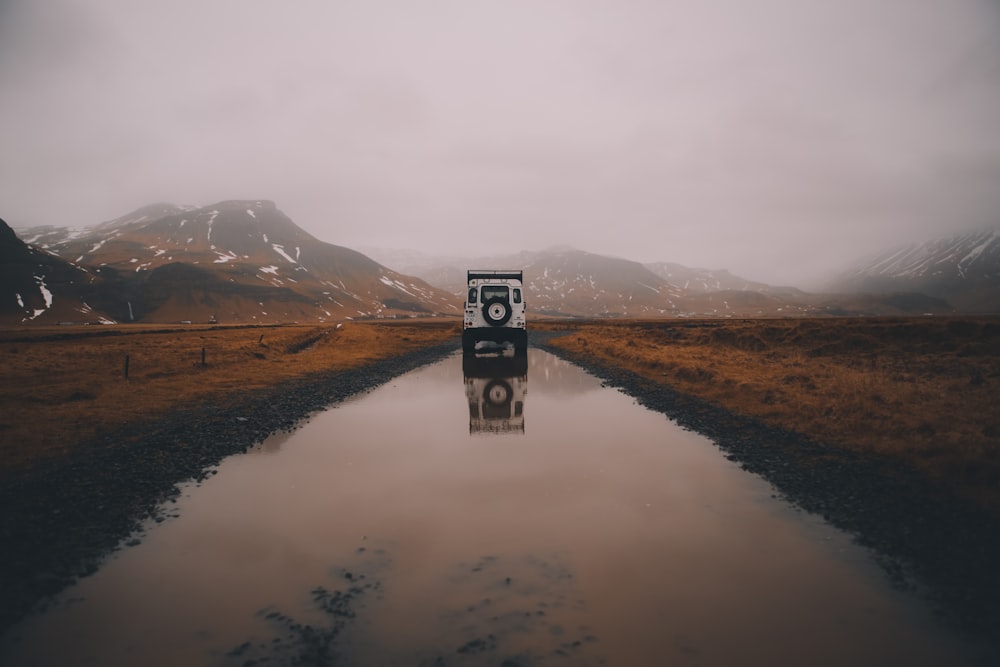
(778, 139)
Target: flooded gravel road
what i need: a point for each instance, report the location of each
(496, 513)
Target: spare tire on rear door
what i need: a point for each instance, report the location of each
(496, 312)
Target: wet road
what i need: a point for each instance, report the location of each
(508, 513)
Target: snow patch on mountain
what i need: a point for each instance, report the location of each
(211, 221)
(280, 249)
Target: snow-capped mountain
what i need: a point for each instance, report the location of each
(563, 281)
(234, 261)
(694, 281)
(246, 261)
(963, 269)
(36, 286)
(559, 281)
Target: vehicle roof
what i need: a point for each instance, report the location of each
(495, 275)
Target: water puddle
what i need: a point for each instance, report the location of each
(491, 512)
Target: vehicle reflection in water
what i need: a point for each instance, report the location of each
(496, 386)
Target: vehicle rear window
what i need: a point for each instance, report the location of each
(472, 295)
(494, 292)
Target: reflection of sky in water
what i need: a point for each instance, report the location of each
(603, 532)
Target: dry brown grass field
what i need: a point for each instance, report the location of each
(922, 391)
(63, 385)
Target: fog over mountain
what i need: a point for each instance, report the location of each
(776, 139)
(962, 268)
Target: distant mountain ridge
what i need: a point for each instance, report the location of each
(566, 281)
(242, 261)
(710, 280)
(246, 261)
(963, 269)
(558, 281)
(563, 281)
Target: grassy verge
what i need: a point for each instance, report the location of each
(917, 391)
(61, 386)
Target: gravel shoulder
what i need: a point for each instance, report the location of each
(929, 541)
(61, 518)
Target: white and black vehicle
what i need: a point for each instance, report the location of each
(494, 310)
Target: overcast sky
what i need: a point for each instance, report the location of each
(776, 138)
